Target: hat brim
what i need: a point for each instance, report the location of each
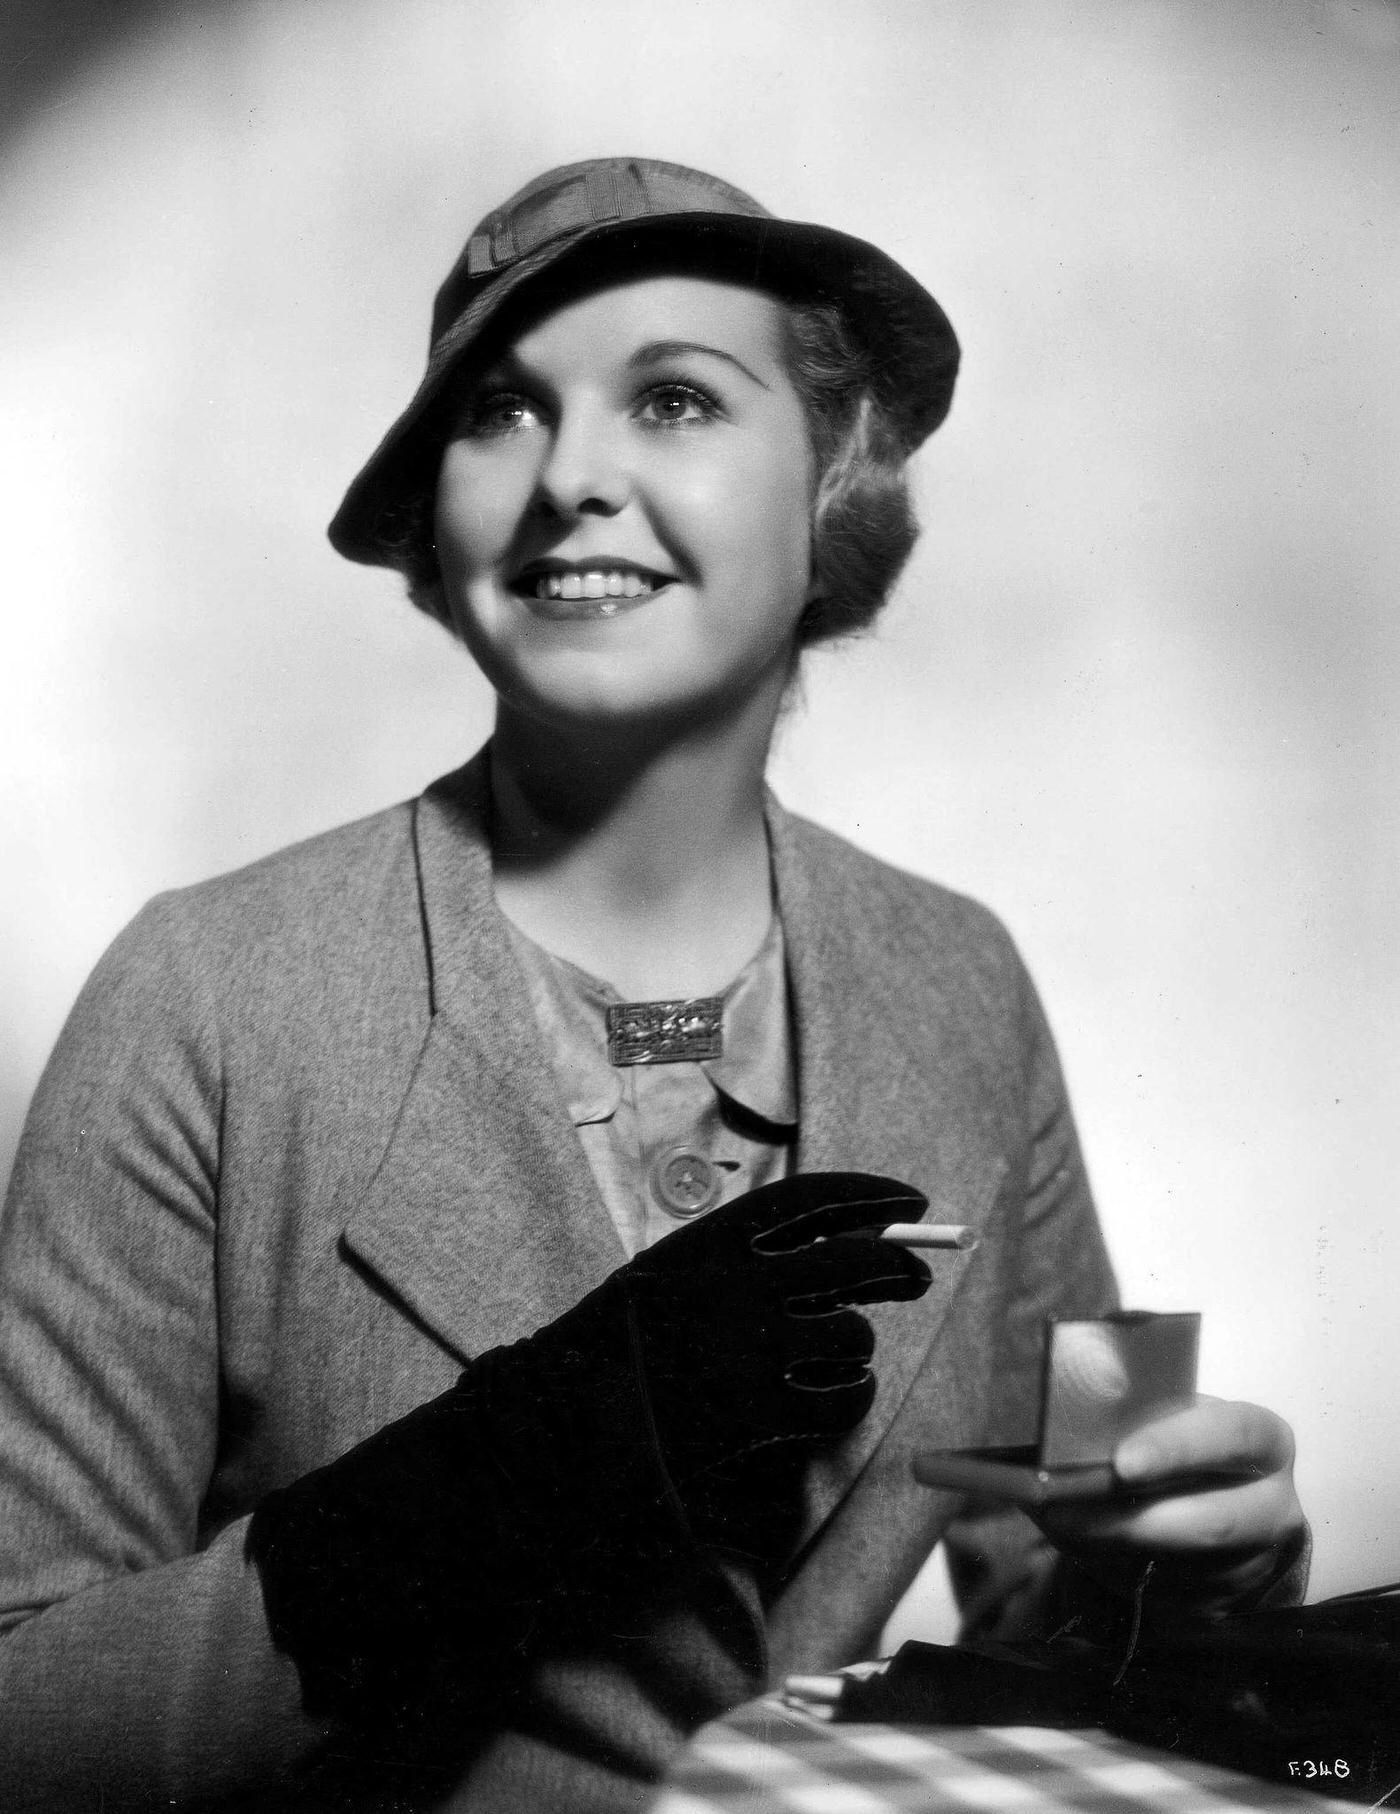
(910, 341)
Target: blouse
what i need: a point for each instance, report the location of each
(669, 1138)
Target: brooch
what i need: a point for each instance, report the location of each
(666, 1032)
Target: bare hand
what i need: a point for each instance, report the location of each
(1211, 1545)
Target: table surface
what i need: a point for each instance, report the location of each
(767, 1757)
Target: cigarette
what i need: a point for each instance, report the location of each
(930, 1234)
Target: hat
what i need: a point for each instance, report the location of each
(582, 221)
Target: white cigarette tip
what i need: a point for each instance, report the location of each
(931, 1234)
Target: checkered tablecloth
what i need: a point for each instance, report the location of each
(767, 1759)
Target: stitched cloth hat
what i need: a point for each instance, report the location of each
(582, 222)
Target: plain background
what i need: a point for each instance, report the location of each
(1137, 690)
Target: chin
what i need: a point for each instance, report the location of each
(617, 704)
(613, 709)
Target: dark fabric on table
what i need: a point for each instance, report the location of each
(1261, 1691)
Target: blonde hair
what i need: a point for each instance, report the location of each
(863, 525)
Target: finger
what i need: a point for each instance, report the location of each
(843, 1335)
(815, 1373)
(1222, 1522)
(815, 1205)
(818, 1279)
(1214, 1435)
(834, 1395)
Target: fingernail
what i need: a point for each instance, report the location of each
(1135, 1459)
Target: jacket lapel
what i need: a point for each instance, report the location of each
(483, 1216)
(869, 1104)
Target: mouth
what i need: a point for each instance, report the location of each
(596, 588)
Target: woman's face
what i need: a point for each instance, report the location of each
(623, 515)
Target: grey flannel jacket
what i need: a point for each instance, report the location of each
(298, 1154)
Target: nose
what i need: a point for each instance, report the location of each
(583, 472)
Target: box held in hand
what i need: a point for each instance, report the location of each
(1104, 1377)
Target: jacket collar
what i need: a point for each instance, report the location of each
(752, 1070)
(483, 1216)
(866, 1103)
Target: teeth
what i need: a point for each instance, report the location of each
(596, 583)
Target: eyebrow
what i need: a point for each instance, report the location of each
(509, 368)
(655, 351)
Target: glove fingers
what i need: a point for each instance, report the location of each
(849, 1270)
(838, 1335)
(832, 1203)
(829, 1383)
(832, 1395)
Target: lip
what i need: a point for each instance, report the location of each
(585, 610)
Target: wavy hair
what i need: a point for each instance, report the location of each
(863, 524)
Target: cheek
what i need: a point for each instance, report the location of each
(757, 513)
(779, 515)
(476, 512)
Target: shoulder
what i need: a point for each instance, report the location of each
(294, 929)
(324, 884)
(913, 923)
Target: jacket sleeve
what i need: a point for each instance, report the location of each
(1008, 1579)
(136, 1666)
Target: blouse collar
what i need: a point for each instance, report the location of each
(754, 1070)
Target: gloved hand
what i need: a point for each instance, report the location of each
(746, 1348)
(668, 1414)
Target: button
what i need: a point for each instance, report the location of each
(684, 1182)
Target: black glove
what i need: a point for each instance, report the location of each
(667, 1414)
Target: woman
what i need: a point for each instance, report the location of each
(435, 1375)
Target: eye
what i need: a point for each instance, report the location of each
(495, 413)
(674, 405)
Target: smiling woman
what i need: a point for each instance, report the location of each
(506, 1174)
